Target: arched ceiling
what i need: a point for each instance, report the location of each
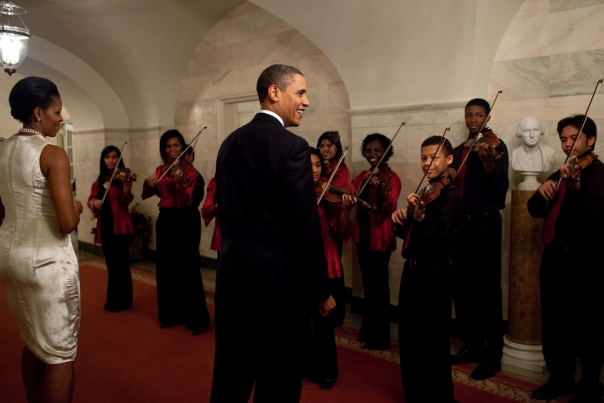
(118, 63)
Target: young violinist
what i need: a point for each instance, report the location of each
(330, 147)
(114, 227)
(209, 211)
(375, 240)
(571, 278)
(483, 183)
(431, 227)
(180, 293)
(336, 227)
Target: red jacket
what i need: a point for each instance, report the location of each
(329, 230)
(166, 189)
(122, 223)
(381, 237)
(206, 214)
(342, 176)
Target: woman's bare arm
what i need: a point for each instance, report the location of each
(55, 167)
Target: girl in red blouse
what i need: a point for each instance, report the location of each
(336, 227)
(180, 293)
(375, 240)
(114, 227)
(209, 210)
(330, 147)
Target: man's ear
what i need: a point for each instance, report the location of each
(273, 93)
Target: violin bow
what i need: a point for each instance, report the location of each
(332, 176)
(181, 154)
(114, 171)
(572, 148)
(375, 168)
(480, 131)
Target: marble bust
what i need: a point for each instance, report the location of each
(533, 155)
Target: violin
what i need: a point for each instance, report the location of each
(576, 165)
(182, 165)
(334, 195)
(383, 175)
(486, 136)
(429, 194)
(127, 173)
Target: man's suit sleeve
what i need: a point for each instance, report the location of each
(304, 216)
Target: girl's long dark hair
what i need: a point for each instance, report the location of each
(314, 151)
(103, 171)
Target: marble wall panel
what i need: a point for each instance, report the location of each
(318, 97)
(576, 73)
(190, 89)
(533, 7)
(247, 26)
(554, 33)
(419, 116)
(521, 79)
(338, 97)
(318, 69)
(285, 45)
(561, 5)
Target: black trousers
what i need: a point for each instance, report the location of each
(424, 306)
(477, 286)
(375, 323)
(119, 279)
(260, 353)
(180, 292)
(321, 357)
(572, 314)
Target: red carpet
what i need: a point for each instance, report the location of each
(126, 357)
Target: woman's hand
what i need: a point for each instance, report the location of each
(97, 204)
(151, 180)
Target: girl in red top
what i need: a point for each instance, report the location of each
(209, 210)
(330, 147)
(180, 293)
(114, 227)
(375, 240)
(336, 228)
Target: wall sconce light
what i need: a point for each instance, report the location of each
(13, 37)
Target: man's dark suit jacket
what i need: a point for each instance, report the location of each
(272, 260)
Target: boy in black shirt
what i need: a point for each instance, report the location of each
(483, 183)
(430, 231)
(571, 276)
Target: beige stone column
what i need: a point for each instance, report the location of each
(522, 344)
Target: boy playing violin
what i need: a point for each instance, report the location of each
(483, 183)
(571, 276)
(431, 227)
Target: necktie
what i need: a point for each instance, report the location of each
(549, 228)
(462, 172)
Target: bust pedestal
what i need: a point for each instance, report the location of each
(529, 182)
(522, 344)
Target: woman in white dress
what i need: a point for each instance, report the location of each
(38, 266)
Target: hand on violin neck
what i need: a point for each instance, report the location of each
(572, 183)
(348, 202)
(486, 156)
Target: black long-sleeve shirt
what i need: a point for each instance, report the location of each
(483, 191)
(437, 236)
(580, 221)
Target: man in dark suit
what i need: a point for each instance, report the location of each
(272, 265)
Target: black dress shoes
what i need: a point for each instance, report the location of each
(466, 356)
(199, 330)
(552, 390)
(485, 370)
(326, 383)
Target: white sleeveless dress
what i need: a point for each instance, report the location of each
(38, 266)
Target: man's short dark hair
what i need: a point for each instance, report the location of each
(277, 74)
(576, 121)
(479, 102)
(435, 140)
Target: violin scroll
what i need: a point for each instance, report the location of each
(576, 165)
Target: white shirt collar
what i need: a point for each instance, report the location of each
(273, 114)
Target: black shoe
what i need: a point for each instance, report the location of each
(485, 370)
(552, 390)
(169, 323)
(466, 356)
(326, 383)
(587, 393)
(199, 330)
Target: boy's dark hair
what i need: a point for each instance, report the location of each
(280, 75)
(435, 140)
(384, 141)
(479, 102)
(334, 138)
(164, 139)
(576, 121)
(314, 151)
